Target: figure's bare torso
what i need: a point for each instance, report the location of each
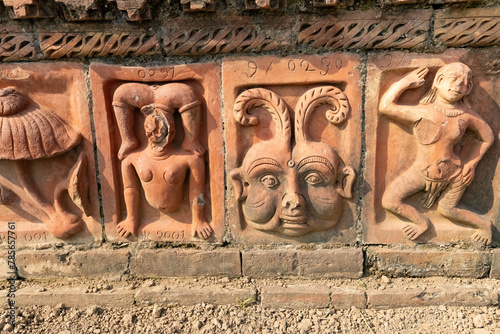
(162, 180)
(437, 134)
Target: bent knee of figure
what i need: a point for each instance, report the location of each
(446, 209)
(391, 204)
(134, 94)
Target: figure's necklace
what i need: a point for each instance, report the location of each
(448, 112)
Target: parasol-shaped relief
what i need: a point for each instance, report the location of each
(44, 153)
(293, 141)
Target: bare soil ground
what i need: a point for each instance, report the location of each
(250, 316)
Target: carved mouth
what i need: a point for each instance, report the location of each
(293, 222)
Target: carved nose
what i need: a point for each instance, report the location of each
(292, 201)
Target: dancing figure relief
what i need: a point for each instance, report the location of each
(442, 168)
(161, 168)
(292, 185)
(29, 133)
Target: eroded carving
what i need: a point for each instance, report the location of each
(25, 9)
(137, 10)
(31, 133)
(442, 168)
(197, 5)
(80, 10)
(97, 44)
(161, 167)
(364, 31)
(292, 185)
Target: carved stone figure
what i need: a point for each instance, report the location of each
(442, 169)
(292, 186)
(30, 133)
(160, 168)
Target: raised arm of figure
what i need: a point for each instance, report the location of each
(388, 103)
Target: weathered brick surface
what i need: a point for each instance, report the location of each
(449, 296)
(344, 298)
(109, 263)
(193, 295)
(346, 263)
(4, 265)
(428, 263)
(295, 296)
(73, 297)
(47, 264)
(495, 264)
(184, 262)
(42, 264)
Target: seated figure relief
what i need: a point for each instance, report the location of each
(28, 133)
(161, 167)
(292, 185)
(442, 169)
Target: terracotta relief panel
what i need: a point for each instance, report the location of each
(47, 175)
(432, 129)
(160, 151)
(293, 147)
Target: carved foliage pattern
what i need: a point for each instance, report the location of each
(468, 31)
(95, 44)
(359, 34)
(220, 39)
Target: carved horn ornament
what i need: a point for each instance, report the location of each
(263, 98)
(315, 97)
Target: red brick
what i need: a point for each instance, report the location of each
(195, 295)
(333, 263)
(73, 297)
(449, 296)
(428, 263)
(295, 296)
(183, 262)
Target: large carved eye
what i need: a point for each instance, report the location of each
(314, 178)
(270, 181)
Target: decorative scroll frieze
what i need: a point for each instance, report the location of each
(97, 44)
(190, 37)
(475, 27)
(16, 46)
(366, 30)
